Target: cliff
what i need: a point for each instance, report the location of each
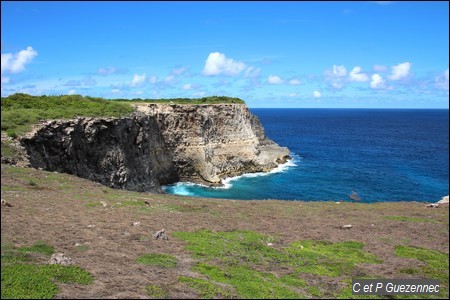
(159, 144)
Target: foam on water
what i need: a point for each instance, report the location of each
(182, 188)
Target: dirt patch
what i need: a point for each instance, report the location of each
(93, 225)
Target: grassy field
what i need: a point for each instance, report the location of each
(216, 248)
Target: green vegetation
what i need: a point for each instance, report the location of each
(23, 277)
(325, 258)
(204, 100)
(410, 219)
(39, 247)
(20, 111)
(436, 265)
(158, 259)
(206, 289)
(245, 261)
(156, 292)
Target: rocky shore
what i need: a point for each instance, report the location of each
(157, 145)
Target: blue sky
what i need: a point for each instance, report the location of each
(377, 54)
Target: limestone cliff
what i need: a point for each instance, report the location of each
(159, 144)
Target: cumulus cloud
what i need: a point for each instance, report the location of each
(380, 68)
(187, 86)
(115, 91)
(317, 94)
(338, 71)
(356, 75)
(400, 71)
(272, 79)
(15, 63)
(294, 81)
(138, 80)
(377, 82)
(336, 76)
(72, 92)
(217, 63)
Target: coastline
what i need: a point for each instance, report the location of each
(226, 182)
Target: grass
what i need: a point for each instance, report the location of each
(204, 100)
(410, 219)
(205, 288)
(245, 261)
(23, 277)
(329, 259)
(19, 111)
(436, 265)
(156, 292)
(158, 259)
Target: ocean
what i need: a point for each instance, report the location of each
(377, 154)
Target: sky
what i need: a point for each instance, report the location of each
(367, 54)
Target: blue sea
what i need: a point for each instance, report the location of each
(379, 154)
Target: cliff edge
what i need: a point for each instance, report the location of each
(159, 144)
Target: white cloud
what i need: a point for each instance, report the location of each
(380, 68)
(252, 72)
(317, 94)
(338, 71)
(72, 92)
(217, 63)
(138, 93)
(187, 86)
(5, 79)
(15, 63)
(356, 75)
(272, 79)
(400, 71)
(115, 91)
(153, 79)
(442, 81)
(138, 80)
(294, 81)
(169, 78)
(293, 95)
(336, 76)
(179, 71)
(105, 72)
(377, 82)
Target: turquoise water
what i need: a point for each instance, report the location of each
(382, 155)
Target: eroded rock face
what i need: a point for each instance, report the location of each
(160, 144)
(210, 142)
(126, 153)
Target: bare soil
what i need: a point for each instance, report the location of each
(65, 211)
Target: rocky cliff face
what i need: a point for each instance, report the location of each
(160, 144)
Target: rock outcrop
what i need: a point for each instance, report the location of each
(159, 144)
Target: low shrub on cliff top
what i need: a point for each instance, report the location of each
(204, 100)
(20, 110)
